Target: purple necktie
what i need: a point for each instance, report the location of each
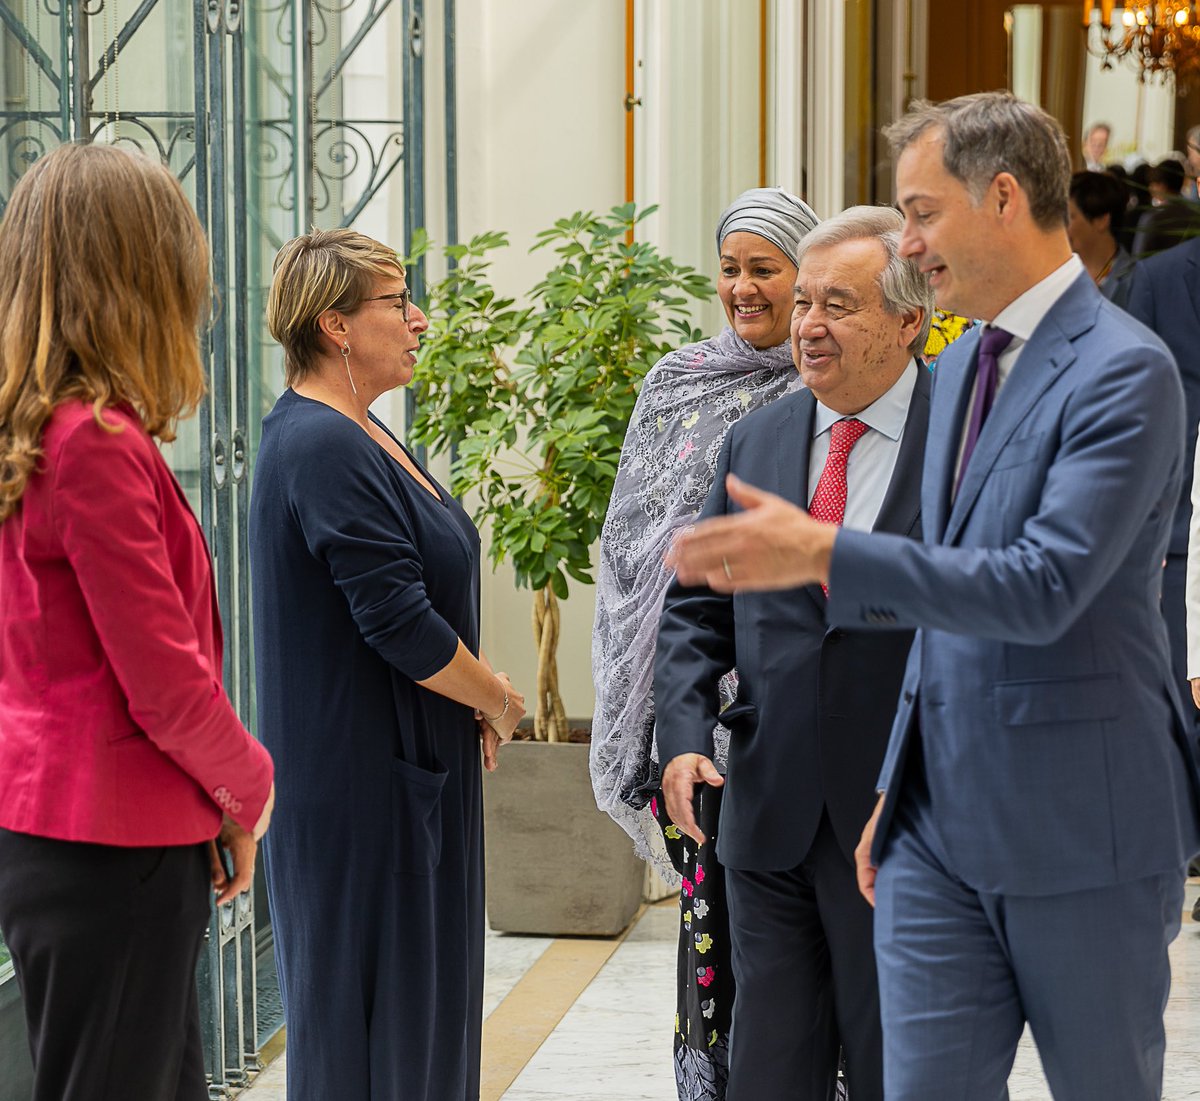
(987, 371)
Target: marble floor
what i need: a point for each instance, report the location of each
(608, 1038)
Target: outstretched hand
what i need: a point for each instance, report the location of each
(770, 544)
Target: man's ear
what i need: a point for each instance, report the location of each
(910, 327)
(1006, 193)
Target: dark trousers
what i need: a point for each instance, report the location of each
(105, 941)
(1174, 608)
(804, 968)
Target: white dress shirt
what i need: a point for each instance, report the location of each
(1021, 317)
(873, 459)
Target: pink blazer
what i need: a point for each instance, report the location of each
(114, 726)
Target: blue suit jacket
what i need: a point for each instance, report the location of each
(815, 704)
(1164, 294)
(1051, 730)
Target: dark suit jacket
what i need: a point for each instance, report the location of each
(1165, 227)
(1164, 295)
(815, 705)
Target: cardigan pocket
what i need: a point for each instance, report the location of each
(417, 817)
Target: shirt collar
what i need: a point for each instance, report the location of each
(886, 414)
(1025, 312)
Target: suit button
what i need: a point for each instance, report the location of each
(908, 697)
(833, 635)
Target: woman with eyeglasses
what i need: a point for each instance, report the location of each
(372, 696)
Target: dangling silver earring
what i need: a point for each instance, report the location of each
(346, 360)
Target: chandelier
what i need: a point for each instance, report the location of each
(1162, 36)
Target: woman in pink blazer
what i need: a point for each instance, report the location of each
(121, 758)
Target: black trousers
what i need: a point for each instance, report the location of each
(804, 965)
(1174, 608)
(105, 941)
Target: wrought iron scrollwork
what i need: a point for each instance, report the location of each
(138, 131)
(343, 151)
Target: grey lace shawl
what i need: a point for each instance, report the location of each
(687, 403)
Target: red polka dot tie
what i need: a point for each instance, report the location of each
(829, 501)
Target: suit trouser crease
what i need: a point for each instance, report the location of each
(805, 978)
(961, 972)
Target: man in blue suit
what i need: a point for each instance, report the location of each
(814, 704)
(1039, 794)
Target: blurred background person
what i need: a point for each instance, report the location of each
(688, 401)
(1095, 215)
(121, 757)
(1095, 146)
(1163, 295)
(1171, 219)
(373, 697)
(1137, 183)
(1192, 162)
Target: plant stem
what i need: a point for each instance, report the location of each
(549, 717)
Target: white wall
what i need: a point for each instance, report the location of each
(541, 123)
(541, 134)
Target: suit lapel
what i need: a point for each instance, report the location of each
(955, 372)
(792, 445)
(902, 502)
(1047, 352)
(793, 438)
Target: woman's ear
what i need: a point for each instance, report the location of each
(332, 325)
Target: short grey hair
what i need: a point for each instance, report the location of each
(903, 285)
(993, 132)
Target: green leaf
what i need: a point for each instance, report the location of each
(537, 399)
(558, 584)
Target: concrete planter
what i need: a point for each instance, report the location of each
(555, 863)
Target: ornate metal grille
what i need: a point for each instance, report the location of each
(247, 102)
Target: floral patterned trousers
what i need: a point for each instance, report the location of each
(705, 979)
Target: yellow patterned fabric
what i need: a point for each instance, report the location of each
(945, 330)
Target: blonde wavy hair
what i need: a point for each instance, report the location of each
(325, 269)
(104, 280)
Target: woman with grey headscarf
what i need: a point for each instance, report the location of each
(687, 403)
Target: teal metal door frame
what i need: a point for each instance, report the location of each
(60, 67)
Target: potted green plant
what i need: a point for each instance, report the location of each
(533, 402)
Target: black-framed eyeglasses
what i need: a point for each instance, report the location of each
(403, 297)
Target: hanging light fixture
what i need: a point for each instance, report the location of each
(1162, 36)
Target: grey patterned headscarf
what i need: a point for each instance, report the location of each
(771, 213)
(688, 401)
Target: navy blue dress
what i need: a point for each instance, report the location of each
(363, 583)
